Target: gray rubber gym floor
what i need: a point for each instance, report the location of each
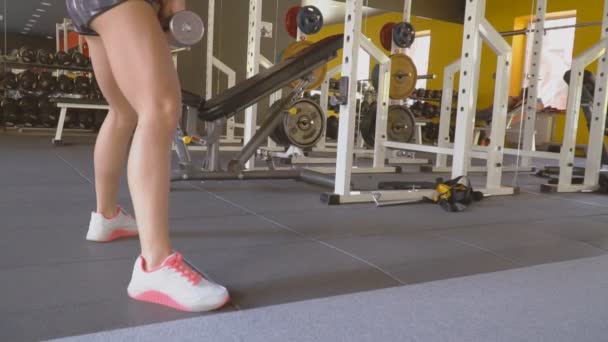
(270, 242)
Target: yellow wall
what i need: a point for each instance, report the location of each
(446, 40)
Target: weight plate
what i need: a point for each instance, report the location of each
(386, 36)
(317, 76)
(333, 124)
(310, 20)
(401, 125)
(367, 124)
(404, 35)
(187, 28)
(375, 76)
(304, 124)
(403, 76)
(291, 21)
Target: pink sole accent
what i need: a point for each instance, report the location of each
(160, 298)
(163, 299)
(121, 234)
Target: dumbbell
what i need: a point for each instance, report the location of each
(436, 111)
(85, 119)
(420, 92)
(332, 127)
(45, 57)
(99, 117)
(65, 84)
(47, 82)
(9, 80)
(78, 59)
(416, 108)
(30, 111)
(27, 55)
(437, 94)
(48, 112)
(82, 85)
(63, 58)
(11, 113)
(28, 80)
(427, 110)
(184, 29)
(428, 93)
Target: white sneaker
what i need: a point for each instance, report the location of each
(120, 226)
(176, 284)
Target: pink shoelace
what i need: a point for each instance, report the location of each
(177, 263)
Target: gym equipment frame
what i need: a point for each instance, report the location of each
(476, 29)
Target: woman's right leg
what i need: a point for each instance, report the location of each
(140, 60)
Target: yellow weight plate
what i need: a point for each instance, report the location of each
(403, 77)
(318, 75)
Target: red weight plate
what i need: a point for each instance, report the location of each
(386, 36)
(291, 21)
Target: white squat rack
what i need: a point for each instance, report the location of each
(476, 30)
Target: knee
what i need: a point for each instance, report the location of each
(164, 111)
(122, 119)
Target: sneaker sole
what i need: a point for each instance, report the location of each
(117, 234)
(160, 298)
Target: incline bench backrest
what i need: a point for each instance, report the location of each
(250, 91)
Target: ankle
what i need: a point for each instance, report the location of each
(109, 213)
(154, 260)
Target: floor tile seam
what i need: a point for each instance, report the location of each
(293, 231)
(75, 169)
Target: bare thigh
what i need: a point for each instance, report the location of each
(140, 59)
(107, 83)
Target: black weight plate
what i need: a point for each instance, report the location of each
(310, 20)
(304, 124)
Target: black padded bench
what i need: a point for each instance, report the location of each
(250, 91)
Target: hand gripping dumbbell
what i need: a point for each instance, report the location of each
(184, 29)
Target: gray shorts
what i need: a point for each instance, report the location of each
(83, 12)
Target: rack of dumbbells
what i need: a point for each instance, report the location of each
(425, 105)
(32, 78)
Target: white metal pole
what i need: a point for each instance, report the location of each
(253, 67)
(65, 34)
(597, 128)
(445, 119)
(533, 76)
(407, 11)
(501, 100)
(350, 62)
(469, 85)
(210, 33)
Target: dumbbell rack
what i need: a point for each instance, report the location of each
(13, 64)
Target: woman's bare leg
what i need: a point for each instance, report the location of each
(139, 57)
(115, 134)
